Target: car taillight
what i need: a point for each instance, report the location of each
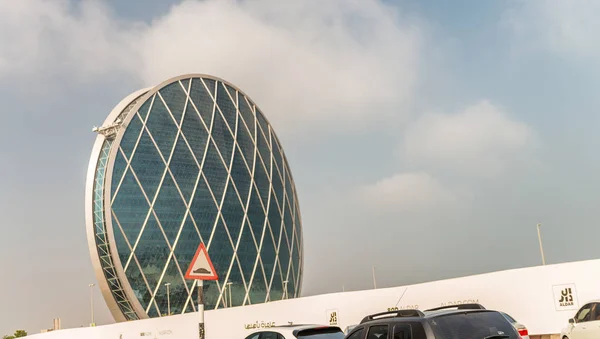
(523, 332)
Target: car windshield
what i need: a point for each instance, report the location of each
(472, 325)
(321, 333)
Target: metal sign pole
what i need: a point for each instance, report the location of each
(201, 332)
(201, 268)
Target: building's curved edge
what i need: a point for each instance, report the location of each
(89, 208)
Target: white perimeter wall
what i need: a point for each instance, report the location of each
(531, 295)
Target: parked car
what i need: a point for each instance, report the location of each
(585, 324)
(466, 321)
(522, 329)
(298, 332)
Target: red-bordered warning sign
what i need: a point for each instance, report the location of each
(201, 268)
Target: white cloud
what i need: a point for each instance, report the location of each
(567, 28)
(481, 138)
(339, 62)
(404, 192)
(47, 37)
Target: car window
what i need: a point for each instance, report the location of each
(253, 336)
(269, 335)
(596, 312)
(412, 330)
(472, 325)
(584, 314)
(402, 331)
(321, 333)
(359, 334)
(378, 332)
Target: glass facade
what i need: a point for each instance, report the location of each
(196, 161)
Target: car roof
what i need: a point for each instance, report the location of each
(437, 313)
(417, 315)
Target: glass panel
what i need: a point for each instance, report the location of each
(262, 183)
(188, 308)
(152, 251)
(275, 220)
(187, 244)
(284, 259)
(358, 334)
(175, 98)
(277, 155)
(211, 294)
(201, 98)
(258, 290)
(267, 254)
(145, 108)
(288, 186)
(256, 215)
(214, 172)
(472, 325)
(298, 229)
(222, 137)
(185, 83)
(204, 210)
(162, 128)
(184, 169)
(238, 291)
(122, 247)
(153, 313)
(210, 84)
(247, 114)
(288, 222)
(170, 209)
(148, 166)
(247, 253)
(378, 331)
(291, 287)
(130, 207)
(118, 170)
(263, 149)
(227, 106)
(246, 144)
(295, 263)
(132, 133)
(276, 292)
(177, 292)
(278, 187)
(191, 285)
(134, 276)
(233, 214)
(195, 133)
(262, 122)
(221, 251)
(240, 175)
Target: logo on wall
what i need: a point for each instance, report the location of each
(565, 297)
(332, 316)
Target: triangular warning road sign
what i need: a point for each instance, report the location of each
(201, 268)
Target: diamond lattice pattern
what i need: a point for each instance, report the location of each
(199, 162)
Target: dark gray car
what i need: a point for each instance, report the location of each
(467, 321)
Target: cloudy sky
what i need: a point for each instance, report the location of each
(425, 138)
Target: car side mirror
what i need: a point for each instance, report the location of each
(571, 321)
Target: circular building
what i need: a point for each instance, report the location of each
(191, 160)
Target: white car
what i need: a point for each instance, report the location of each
(298, 332)
(522, 329)
(585, 324)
